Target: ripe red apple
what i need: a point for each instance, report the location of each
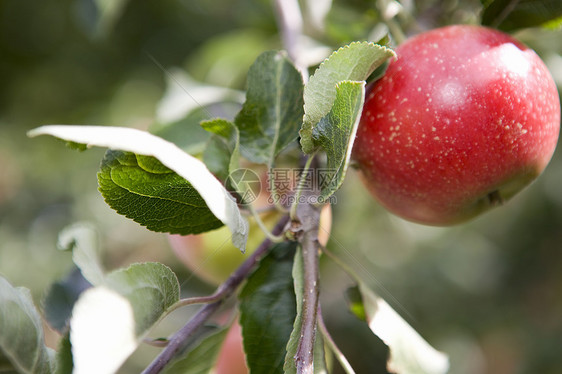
(462, 120)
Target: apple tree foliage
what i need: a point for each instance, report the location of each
(163, 185)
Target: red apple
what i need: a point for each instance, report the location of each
(463, 119)
(231, 358)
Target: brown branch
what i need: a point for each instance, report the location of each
(307, 232)
(178, 341)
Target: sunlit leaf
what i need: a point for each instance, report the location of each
(354, 62)
(21, 332)
(335, 134)
(81, 239)
(102, 331)
(409, 352)
(217, 198)
(111, 320)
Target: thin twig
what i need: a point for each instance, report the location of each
(177, 342)
(308, 224)
(300, 186)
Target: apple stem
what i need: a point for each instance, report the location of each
(179, 339)
(271, 236)
(300, 186)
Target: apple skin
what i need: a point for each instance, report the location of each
(231, 358)
(462, 120)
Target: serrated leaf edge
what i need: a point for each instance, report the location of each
(217, 198)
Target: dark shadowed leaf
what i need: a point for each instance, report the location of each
(510, 15)
(227, 133)
(200, 356)
(268, 310)
(60, 300)
(272, 114)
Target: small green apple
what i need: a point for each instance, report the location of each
(212, 257)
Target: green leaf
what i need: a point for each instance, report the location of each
(150, 287)
(82, 239)
(354, 62)
(217, 199)
(509, 15)
(289, 366)
(64, 356)
(21, 332)
(217, 157)
(60, 300)
(230, 136)
(187, 133)
(409, 352)
(272, 114)
(268, 310)
(355, 303)
(163, 202)
(6, 366)
(335, 134)
(200, 356)
(111, 320)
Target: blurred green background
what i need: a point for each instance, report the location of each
(489, 292)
